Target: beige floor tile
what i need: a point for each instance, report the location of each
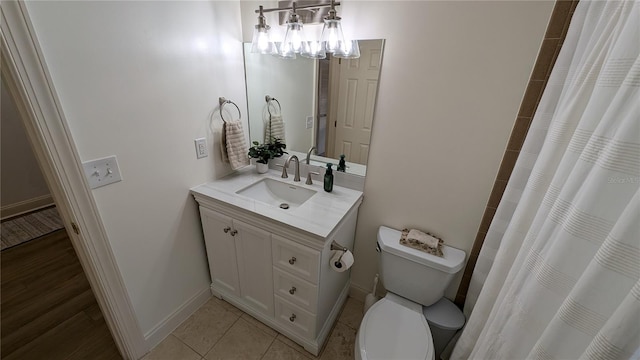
(258, 324)
(172, 349)
(295, 346)
(243, 342)
(225, 305)
(280, 351)
(206, 326)
(340, 345)
(352, 313)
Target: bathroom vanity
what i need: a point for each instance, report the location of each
(273, 262)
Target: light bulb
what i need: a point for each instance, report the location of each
(332, 35)
(263, 41)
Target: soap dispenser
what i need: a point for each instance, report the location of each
(328, 178)
(342, 166)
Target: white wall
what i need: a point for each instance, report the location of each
(139, 80)
(453, 76)
(22, 180)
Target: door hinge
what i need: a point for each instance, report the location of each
(75, 227)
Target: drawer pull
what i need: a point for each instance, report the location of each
(234, 232)
(292, 290)
(227, 229)
(292, 318)
(292, 260)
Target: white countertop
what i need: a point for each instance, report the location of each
(319, 215)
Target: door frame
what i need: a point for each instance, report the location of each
(29, 82)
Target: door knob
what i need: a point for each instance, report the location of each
(292, 260)
(292, 318)
(227, 229)
(292, 290)
(234, 232)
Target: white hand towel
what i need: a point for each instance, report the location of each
(274, 128)
(234, 146)
(422, 238)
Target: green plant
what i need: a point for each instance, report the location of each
(265, 152)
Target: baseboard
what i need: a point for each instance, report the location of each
(171, 322)
(25, 206)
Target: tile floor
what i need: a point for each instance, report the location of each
(219, 330)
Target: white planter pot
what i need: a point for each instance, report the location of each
(262, 168)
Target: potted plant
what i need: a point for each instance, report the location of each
(265, 152)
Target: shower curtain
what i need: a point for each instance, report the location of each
(558, 276)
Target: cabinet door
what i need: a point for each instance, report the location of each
(253, 248)
(221, 251)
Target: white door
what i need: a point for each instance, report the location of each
(221, 251)
(253, 248)
(358, 88)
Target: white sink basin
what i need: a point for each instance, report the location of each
(276, 193)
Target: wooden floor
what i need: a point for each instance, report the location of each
(48, 310)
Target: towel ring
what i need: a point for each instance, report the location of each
(268, 99)
(222, 101)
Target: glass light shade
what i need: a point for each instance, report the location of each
(332, 35)
(349, 50)
(277, 52)
(294, 39)
(261, 43)
(314, 50)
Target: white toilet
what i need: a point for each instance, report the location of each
(413, 321)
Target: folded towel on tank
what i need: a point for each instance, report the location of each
(422, 241)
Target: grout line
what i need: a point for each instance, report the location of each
(223, 335)
(184, 343)
(268, 347)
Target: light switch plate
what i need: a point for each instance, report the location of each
(201, 148)
(309, 122)
(101, 172)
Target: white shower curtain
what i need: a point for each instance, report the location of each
(559, 274)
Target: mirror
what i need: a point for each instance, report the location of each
(327, 103)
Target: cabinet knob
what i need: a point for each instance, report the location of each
(227, 229)
(292, 260)
(234, 232)
(292, 318)
(292, 290)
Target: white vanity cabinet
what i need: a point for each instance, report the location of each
(239, 259)
(274, 264)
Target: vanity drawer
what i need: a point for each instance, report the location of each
(295, 259)
(295, 318)
(295, 290)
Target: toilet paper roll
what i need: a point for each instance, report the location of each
(341, 260)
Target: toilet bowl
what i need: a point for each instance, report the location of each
(394, 328)
(414, 320)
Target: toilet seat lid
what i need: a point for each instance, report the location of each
(395, 329)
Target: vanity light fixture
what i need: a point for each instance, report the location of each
(331, 41)
(261, 42)
(294, 40)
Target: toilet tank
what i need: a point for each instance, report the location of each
(414, 274)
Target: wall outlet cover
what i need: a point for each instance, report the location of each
(101, 172)
(309, 122)
(201, 148)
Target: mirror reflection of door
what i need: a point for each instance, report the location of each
(350, 115)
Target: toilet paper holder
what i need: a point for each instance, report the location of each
(336, 246)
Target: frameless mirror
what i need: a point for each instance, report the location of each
(327, 104)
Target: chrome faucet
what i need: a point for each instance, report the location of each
(286, 165)
(309, 153)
